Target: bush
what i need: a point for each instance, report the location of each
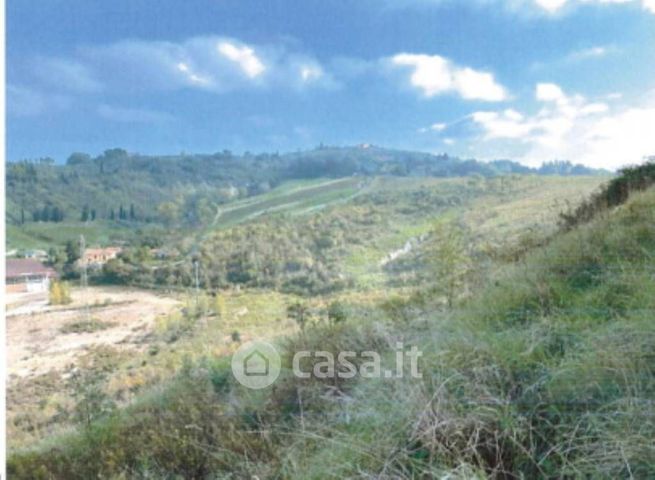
(59, 293)
(616, 192)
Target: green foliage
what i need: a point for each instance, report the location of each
(447, 254)
(300, 313)
(170, 328)
(92, 403)
(336, 313)
(59, 293)
(614, 193)
(116, 180)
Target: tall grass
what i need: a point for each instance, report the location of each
(547, 372)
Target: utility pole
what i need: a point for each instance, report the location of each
(83, 279)
(195, 267)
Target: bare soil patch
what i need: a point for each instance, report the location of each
(41, 341)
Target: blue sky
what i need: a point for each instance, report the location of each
(531, 80)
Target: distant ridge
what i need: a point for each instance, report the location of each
(42, 190)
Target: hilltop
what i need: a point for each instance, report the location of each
(117, 185)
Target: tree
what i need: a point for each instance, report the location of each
(336, 313)
(132, 214)
(45, 213)
(85, 213)
(56, 214)
(447, 254)
(93, 214)
(59, 293)
(72, 252)
(299, 313)
(92, 402)
(78, 158)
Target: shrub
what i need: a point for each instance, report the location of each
(59, 293)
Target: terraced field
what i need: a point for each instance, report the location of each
(293, 198)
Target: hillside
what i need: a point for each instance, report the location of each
(117, 185)
(542, 368)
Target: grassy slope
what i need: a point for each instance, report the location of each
(293, 197)
(548, 372)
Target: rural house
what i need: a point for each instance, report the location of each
(27, 275)
(99, 256)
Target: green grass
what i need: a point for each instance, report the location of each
(294, 198)
(544, 371)
(43, 235)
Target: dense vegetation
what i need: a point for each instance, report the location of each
(120, 186)
(614, 193)
(303, 254)
(543, 370)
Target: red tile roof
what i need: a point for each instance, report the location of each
(20, 267)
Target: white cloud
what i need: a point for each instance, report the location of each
(474, 85)
(549, 92)
(570, 127)
(192, 76)
(65, 74)
(591, 52)
(555, 6)
(309, 73)
(211, 63)
(244, 56)
(435, 127)
(435, 75)
(551, 5)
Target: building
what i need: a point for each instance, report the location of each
(99, 256)
(27, 275)
(41, 255)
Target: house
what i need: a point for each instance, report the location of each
(99, 256)
(27, 275)
(41, 255)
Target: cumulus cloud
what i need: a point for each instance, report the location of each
(243, 56)
(211, 63)
(571, 127)
(435, 75)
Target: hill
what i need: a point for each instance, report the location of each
(542, 368)
(117, 185)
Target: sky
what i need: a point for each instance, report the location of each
(528, 80)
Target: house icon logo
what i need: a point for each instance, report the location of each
(256, 365)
